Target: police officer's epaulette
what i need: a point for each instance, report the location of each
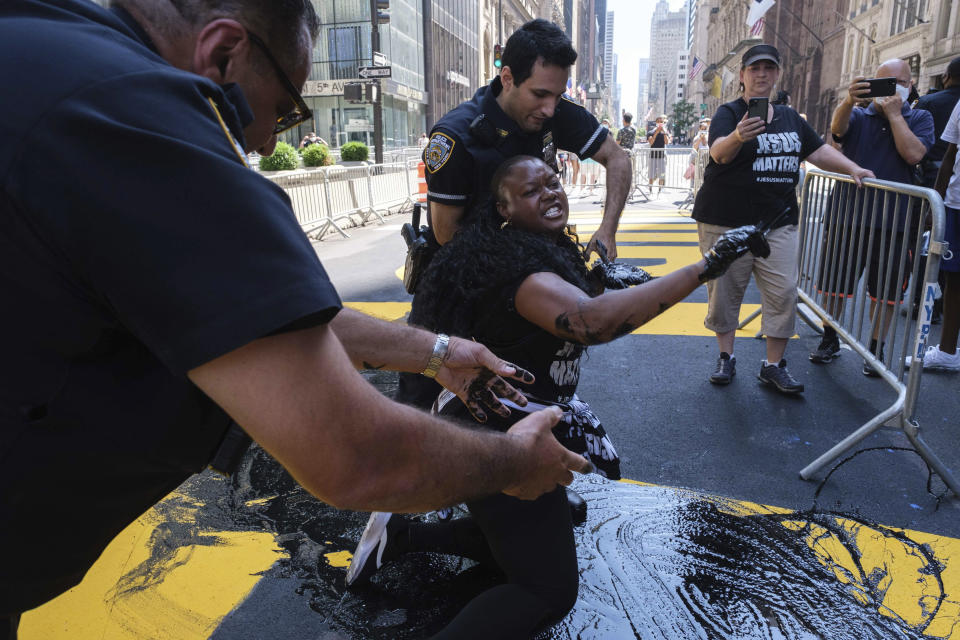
(570, 100)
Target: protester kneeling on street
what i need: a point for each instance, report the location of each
(516, 281)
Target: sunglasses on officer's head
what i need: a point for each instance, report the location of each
(300, 112)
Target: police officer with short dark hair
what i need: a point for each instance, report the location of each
(522, 112)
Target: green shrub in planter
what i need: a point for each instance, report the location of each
(316, 155)
(284, 157)
(353, 151)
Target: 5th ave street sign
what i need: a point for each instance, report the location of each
(375, 72)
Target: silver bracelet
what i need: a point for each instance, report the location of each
(438, 355)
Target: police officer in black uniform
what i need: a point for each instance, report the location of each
(132, 330)
(522, 112)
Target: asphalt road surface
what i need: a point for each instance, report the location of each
(714, 535)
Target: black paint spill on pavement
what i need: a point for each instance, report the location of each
(655, 563)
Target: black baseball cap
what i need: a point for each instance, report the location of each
(760, 52)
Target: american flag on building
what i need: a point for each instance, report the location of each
(696, 68)
(757, 28)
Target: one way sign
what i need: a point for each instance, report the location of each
(375, 72)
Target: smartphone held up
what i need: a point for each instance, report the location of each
(757, 108)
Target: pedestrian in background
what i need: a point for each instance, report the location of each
(627, 136)
(940, 104)
(944, 356)
(751, 178)
(658, 139)
(890, 139)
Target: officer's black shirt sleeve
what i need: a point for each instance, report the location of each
(449, 169)
(186, 248)
(575, 129)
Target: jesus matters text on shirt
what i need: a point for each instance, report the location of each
(759, 182)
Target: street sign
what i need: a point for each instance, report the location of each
(379, 60)
(375, 72)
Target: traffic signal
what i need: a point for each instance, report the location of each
(383, 12)
(497, 56)
(353, 92)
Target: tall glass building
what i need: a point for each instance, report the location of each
(453, 43)
(343, 46)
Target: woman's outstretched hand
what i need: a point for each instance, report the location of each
(730, 246)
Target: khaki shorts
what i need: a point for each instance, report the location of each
(776, 277)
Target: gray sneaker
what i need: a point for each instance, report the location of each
(778, 376)
(726, 369)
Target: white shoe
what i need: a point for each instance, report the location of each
(368, 556)
(935, 359)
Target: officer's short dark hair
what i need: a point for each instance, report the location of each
(628, 118)
(953, 69)
(537, 39)
(279, 22)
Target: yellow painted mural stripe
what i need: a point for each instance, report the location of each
(131, 594)
(683, 319)
(187, 595)
(905, 599)
(390, 311)
(674, 257)
(680, 234)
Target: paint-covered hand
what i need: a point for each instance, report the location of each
(603, 243)
(547, 462)
(730, 246)
(472, 372)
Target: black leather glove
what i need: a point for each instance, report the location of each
(731, 245)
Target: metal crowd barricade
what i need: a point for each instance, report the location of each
(389, 186)
(670, 164)
(843, 227)
(322, 198)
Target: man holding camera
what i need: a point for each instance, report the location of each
(658, 139)
(889, 138)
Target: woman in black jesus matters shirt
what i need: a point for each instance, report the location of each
(516, 281)
(751, 177)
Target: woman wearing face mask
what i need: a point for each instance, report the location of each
(517, 282)
(751, 177)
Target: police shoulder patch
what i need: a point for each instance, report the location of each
(438, 151)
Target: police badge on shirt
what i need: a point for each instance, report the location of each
(438, 151)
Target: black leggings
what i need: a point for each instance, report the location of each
(531, 542)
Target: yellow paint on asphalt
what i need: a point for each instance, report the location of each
(339, 558)
(142, 588)
(128, 595)
(390, 311)
(879, 555)
(674, 257)
(682, 319)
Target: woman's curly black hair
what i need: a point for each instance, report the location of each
(469, 275)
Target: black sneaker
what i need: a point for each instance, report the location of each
(726, 369)
(578, 507)
(778, 376)
(828, 349)
(373, 548)
(869, 371)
